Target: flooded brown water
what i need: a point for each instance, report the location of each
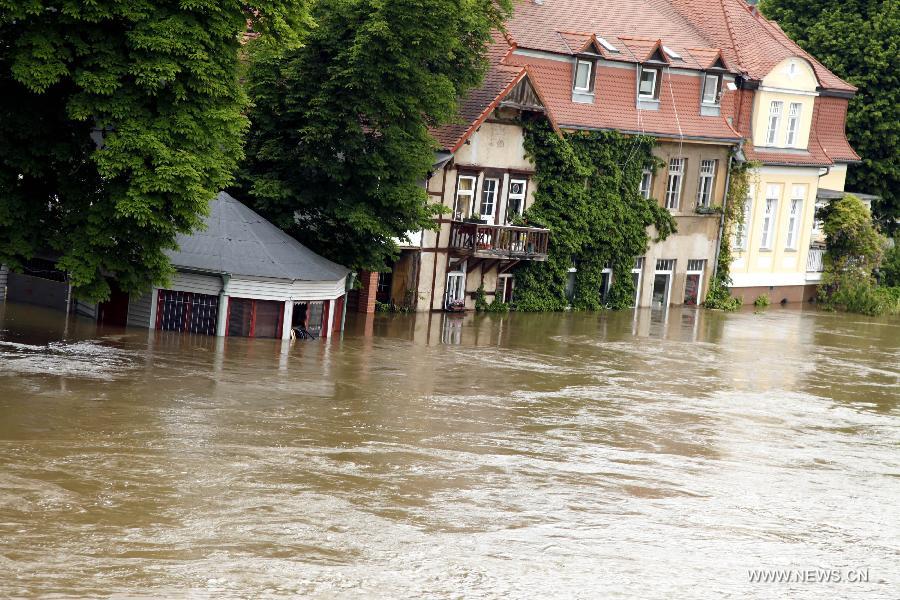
(521, 456)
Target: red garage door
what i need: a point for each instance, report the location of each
(254, 318)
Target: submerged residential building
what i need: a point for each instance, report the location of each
(649, 74)
(791, 111)
(712, 82)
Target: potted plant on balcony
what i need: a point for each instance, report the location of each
(456, 306)
(700, 209)
(476, 218)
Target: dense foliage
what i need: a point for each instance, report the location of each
(587, 195)
(858, 40)
(340, 145)
(119, 121)
(854, 251)
(889, 272)
(719, 296)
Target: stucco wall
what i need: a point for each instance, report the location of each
(694, 154)
(755, 266)
(835, 179)
(779, 84)
(696, 240)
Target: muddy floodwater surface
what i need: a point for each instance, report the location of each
(609, 455)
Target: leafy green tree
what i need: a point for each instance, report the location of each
(854, 251)
(339, 145)
(890, 266)
(859, 41)
(119, 121)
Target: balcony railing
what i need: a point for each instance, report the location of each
(815, 260)
(500, 241)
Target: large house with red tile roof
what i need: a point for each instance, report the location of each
(791, 111)
(702, 77)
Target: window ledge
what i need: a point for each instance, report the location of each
(709, 110)
(765, 249)
(790, 249)
(582, 97)
(648, 103)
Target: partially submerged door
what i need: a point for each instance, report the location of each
(114, 312)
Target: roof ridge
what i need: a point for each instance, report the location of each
(729, 27)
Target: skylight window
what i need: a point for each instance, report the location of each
(671, 53)
(607, 45)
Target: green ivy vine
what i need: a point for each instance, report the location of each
(740, 178)
(587, 195)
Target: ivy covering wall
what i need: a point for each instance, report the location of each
(588, 196)
(739, 181)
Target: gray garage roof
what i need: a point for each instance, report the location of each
(238, 241)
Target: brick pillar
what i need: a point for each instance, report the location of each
(369, 287)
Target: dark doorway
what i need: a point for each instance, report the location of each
(114, 311)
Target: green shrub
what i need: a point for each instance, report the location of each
(889, 273)
(481, 303)
(719, 297)
(762, 301)
(857, 294)
(498, 307)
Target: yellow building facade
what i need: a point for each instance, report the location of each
(776, 250)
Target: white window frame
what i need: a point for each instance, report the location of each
(775, 108)
(470, 194)
(675, 182)
(770, 212)
(706, 184)
(668, 268)
(717, 83)
(646, 185)
(793, 124)
(494, 198)
(742, 234)
(795, 216)
(510, 196)
(590, 71)
(604, 292)
(460, 289)
(505, 280)
(652, 95)
(818, 224)
(695, 271)
(638, 269)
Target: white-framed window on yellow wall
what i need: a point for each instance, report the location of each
(793, 124)
(774, 121)
(795, 216)
(770, 209)
(742, 232)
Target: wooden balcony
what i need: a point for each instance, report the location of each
(502, 242)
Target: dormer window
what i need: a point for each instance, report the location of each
(712, 86)
(607, 46)
(671, 53)
(648, 87)
(583, 71)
